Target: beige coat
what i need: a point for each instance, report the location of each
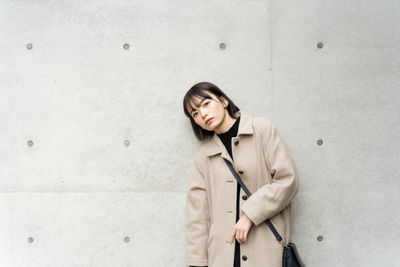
(270, 174)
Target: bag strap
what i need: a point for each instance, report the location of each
(268, 221)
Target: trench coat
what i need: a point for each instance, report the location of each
(263, 161)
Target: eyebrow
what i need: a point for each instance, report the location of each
(199, 104)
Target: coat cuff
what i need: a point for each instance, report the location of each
(253, 214)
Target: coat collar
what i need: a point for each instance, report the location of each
(215, 145)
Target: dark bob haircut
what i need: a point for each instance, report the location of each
(199, 91)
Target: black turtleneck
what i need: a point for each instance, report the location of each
(227, 136)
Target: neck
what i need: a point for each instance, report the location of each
(226, 124)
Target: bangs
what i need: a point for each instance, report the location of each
(190, 100)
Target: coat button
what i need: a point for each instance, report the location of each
(236, 142)
(241, 172)
(244, 257)
(244, 197)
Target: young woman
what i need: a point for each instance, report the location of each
(218, 211)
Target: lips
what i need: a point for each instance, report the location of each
(208, 121)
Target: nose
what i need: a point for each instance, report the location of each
(203, 113)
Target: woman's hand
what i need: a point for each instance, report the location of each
(241, 229)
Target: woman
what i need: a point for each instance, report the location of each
(218, 210)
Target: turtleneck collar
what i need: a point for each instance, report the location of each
(232, 131)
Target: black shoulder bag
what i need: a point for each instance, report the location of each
(290, 257)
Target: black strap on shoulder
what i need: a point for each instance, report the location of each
(237, 177)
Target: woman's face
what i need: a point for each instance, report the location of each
(211, 112)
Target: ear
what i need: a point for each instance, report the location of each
(224, 102)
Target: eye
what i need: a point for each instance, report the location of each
(206, 103)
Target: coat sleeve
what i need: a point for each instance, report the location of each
(197, 219)
(270, 199)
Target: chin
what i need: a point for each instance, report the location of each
(209, 128)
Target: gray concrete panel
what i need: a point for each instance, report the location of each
(92, 229)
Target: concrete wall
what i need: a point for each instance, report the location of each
(95, 151)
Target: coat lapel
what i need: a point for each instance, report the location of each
(215, 145)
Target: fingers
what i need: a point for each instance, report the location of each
(243, 233)
(241, 236)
